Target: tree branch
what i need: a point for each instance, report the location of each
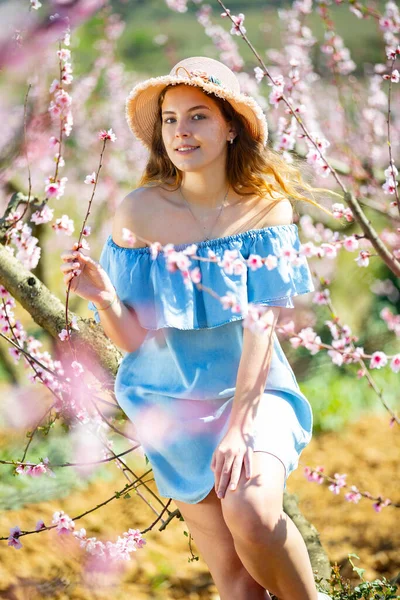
(49, 313)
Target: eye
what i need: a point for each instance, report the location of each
(195, 115)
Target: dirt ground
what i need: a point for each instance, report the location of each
(52, 566)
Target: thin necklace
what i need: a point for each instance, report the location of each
(194, 216)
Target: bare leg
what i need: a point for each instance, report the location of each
(267, 541)
(214, 542)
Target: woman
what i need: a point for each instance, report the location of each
(216, 405)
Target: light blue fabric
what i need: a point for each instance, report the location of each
(178, 387)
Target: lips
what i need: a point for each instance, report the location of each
(186, 149)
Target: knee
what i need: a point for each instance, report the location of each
(251, 523)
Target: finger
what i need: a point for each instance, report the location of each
(225, 477)
(212, 466)
(71, 275)
(219, 463)
(248, 462)
(70, 266)
(236, 471)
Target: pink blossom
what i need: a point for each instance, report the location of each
(35, 470)
(391, 171)
(378, 360)
(353, 496)
(338, 210)
(190, 250)
(227, 261)
(337, 357)
(55, 85)
(230, 301)
(64, 335)
(43, 216)
(271, 262)
(63, 99)
(395, 363)
(155, 248)
(238, 27)
(40, 525)
(392, 321)
(64, 523)
(177, 5)
(64, 54)
(254, 262)
(177, 260)
(381, 504)
(77, 368)
(307, 338)
(35, 4)
(357, 354)
(253, 321)
(288, 328)
(68, 122)
(390, 185)
(66, 78)
(128, 236)
(338, 483)
(259, 74)
(55, 189)
(363, 258)
(312, 475)
(329, 250)
(13, 539)
(65, 225)
(321, 297)
(308, 249)
(107, 135)
(54, 110)
(52, 189)
(195, 275)
(289, 253)
(394, 76)
(350, 243)
(86, 230)
(91, 178)
(275, 96)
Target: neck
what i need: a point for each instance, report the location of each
(204, 190)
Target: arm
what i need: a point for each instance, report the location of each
(120, 322)
(253, 371)
(235, 448)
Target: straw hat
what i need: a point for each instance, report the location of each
(209, 74)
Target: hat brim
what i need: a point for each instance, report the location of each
(141, 107)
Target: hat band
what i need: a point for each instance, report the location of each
(197, 73)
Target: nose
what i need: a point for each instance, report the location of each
(182, 129)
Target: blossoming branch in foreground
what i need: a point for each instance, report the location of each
(35, 470)
(338, 482)
(107, 135)
(129, 542)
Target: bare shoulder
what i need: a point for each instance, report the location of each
(133, 214)
(276, 211)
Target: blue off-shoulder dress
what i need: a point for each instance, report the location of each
(178, 387)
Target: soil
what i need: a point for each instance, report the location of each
(53, 566)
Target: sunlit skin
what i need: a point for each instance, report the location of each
(204, 170)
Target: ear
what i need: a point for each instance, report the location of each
(231, 133)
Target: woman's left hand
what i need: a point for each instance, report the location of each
(228, 459)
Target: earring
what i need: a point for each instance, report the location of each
(231, 140)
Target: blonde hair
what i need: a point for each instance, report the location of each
(250, 165)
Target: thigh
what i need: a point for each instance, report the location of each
(257, 503)
(213, 539)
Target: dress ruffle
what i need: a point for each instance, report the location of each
(161, 298)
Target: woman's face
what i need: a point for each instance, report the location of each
(191, 118)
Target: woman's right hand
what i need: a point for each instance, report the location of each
(90, 281)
